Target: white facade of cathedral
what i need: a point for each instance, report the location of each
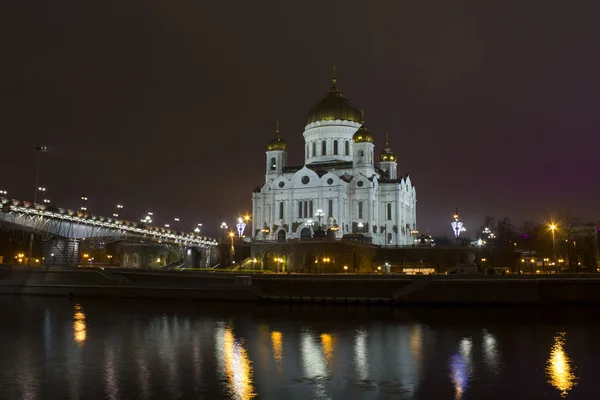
(338, 178)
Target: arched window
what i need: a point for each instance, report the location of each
(323, 148)
(281, 210)
(310, 209)
(389, 238)
(305, 208)
(360, 210)
(335, 147)
(273, 164)
(330, 208)
(314, 148)
(389, 211)
(347, 150)
(300, 209)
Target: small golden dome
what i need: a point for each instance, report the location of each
(362, 135)
(387, 154)
(334, 106)
(276, 143)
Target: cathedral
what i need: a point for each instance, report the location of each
(340, 191)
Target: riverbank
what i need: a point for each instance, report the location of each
(346, 289)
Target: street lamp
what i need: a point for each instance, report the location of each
(231, 235)
(40, 150)
(553, 227)
(360, 227)
(457, 228)
(241, 225)
(198, 229)
(119, 207)
(320, 214)
(83, 203)
(148, 218)
(3, 193)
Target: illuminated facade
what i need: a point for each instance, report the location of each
(339, 187)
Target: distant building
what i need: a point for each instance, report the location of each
(339, 177)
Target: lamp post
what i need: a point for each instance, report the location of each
(320, 214)
(116, 214)
(231, 235)
(198, 229)
(241, 225)
(40, 150)
(457, 228)
(3, 193)
(360, 227)
(224, 228)
(553, 227)
(83, 203)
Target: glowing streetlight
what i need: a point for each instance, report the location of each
(119, 207)
(320, 214)
(360, 226)
(198, 228)
(241, 225)
(3, 193)
(457, 227)
(553, 227)
(232, 235)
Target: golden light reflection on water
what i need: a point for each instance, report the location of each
(328, 342)
(79, 328)
(235, 364)
(277, 341)
(416, 341)
(558, 369)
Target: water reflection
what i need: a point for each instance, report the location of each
(234, 363)
(460, 367)
(558, 369)
(360, 353)
(79, 328)
(313, 363)
(111, 388)
(490, 352)
(277, 341)
(328, 342)
(416, 342)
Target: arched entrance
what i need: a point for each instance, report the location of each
(305, 233)
(281, 236)
(270, 261)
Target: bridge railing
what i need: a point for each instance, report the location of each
(40, 217)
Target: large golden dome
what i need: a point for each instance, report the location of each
(276, 142)
(334, 106)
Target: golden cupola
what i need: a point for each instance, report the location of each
(362, 135)
(387, 154)
(276, 142)
(334, 106)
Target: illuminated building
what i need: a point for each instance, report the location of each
(339, 189)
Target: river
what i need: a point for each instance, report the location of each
(60, 348)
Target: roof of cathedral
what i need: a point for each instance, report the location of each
(387, 154)
(276, 142)
(334, 106)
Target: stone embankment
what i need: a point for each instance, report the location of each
(347, 289)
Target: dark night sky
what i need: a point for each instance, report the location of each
(492, 106)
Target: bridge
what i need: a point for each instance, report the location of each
(64, 232)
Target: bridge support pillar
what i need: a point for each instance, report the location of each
(61, 251)
(192, 258)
